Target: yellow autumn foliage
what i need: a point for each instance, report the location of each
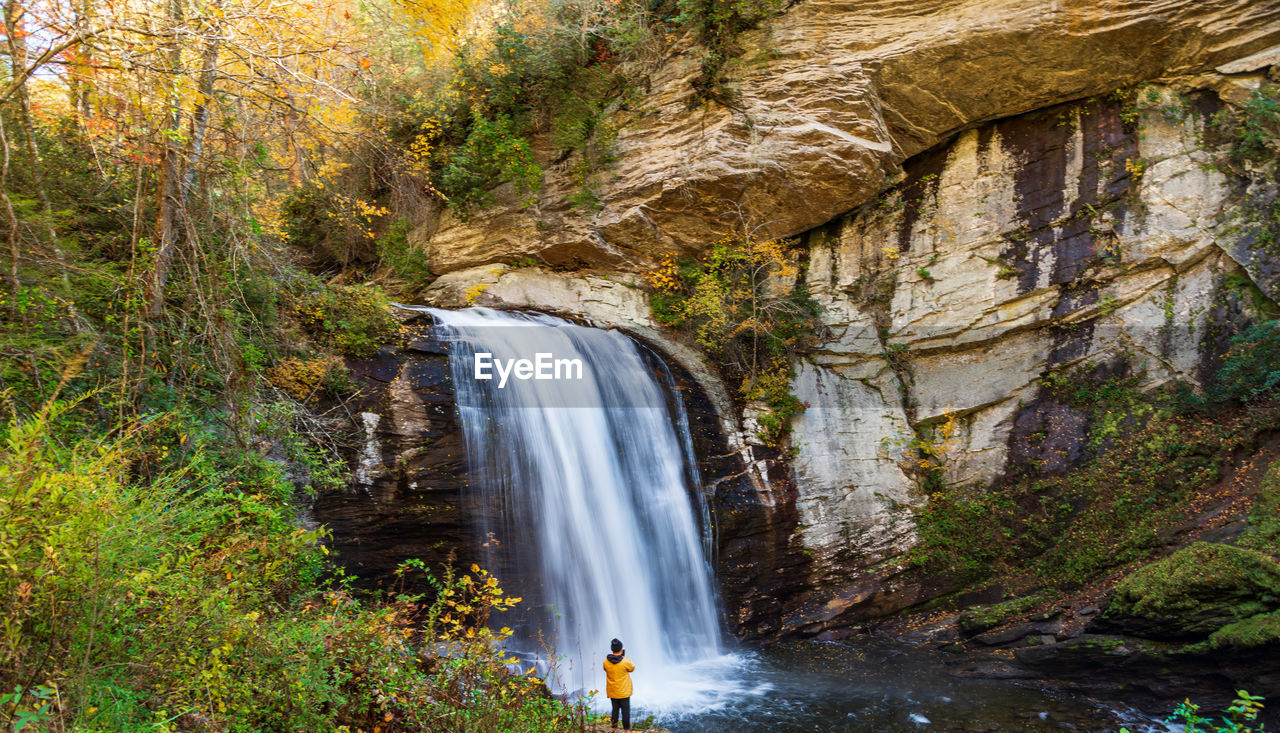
(303, 379)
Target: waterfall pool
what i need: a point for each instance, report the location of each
(864, 685)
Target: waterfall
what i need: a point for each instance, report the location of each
(588, 500)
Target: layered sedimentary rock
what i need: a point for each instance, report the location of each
(1088, 238)
(830, 98)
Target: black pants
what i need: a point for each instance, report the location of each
(623, 704)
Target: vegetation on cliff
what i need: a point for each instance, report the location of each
(1158, 556)
(1156, 466)
(543, 84)
(1252, 133)
(1157, 461)
(1223, 596)
(745, 306)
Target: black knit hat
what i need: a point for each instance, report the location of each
(615, 646)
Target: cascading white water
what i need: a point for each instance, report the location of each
(596, 493)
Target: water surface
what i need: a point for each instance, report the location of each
(877, 685)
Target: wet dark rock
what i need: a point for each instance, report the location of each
(874, 596)
(1049, 435)
(1147, 672)
(1227, 533)
(1007, 635)
(382, 367)
(758, 559)
(1079, 656)
(430, 379)
(979, 618)
(407, 497)
(427, 346)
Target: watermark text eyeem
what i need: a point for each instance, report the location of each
(544, 365)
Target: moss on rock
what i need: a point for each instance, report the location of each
(1194, 592)
(1251, 633)
(977, 619)
(1264, 519)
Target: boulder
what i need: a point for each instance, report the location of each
(1193, 593)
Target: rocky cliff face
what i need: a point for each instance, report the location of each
(408, 495)
(978, 213)
(1086, 237)
(831, 98)
(1095, 235)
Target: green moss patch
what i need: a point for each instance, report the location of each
(1251, 633)
(1264, 519)
(1195, 592)
(980, 618)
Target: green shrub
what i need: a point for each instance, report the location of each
(308, 225)
(406, 261)
(1251, 369)
(773, 387)
(352, 319)
(554, 68)
(718, 24)
(961, 533)
(1254, 128)
(1237, 718)
(191, 599)
(495, 151)
(1252, 131)
(730, 304)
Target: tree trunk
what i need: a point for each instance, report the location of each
(200, 120)
(80, 88)
(13, 13)
(165, 232)
(10, 217)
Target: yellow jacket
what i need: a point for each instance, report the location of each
(618, 676)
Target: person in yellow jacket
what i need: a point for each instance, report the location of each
(617, 675)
